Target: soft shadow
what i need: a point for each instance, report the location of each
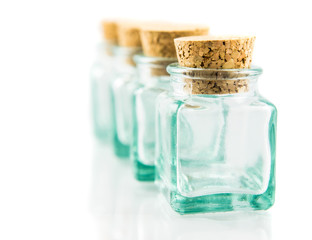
(164, 223)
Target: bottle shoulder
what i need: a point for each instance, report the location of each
(251, 103)
(267, 102)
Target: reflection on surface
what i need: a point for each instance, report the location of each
(127, 209)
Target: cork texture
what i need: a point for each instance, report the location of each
(110, 31)
(209, 52)
(158, 41)
(129, 34)
(215, 53)
(212, 81)
(195, 86)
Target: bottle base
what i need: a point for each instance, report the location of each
(121, 150)
(142, 172)
(220, 203)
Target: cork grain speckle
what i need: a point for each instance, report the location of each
(194, 86)
(158, 41)
(129, 34)
(215, 52)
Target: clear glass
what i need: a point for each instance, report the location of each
(155, 80)
(215, 152)
(101, 74)
(121, 88)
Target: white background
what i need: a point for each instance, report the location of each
(53, 175)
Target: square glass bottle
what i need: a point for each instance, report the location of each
(101, 74)
(155, 80)
(158, 51)
(215, 150)
(122, 87)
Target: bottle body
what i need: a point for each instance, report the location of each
(121, 91)
(143, 148)
(101, 74)
(216, 152)
(155, 80)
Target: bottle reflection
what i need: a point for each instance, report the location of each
(130, 210)
(166, 224)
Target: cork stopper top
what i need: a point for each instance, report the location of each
(226, 52)
(110, 31)
(129, 34)
(157, 40)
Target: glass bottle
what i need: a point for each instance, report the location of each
(101, 74)
(155, 80)
(122, 87)
(159, 51)
(215, 148)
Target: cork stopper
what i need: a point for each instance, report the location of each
(158, 40)
(215, 53)
(110, 31)
(195, 86)
(129, 34)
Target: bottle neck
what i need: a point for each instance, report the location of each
(123, 58)
(105, 49)
(213, 82)
(152, 70)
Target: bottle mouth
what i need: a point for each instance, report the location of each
(214, 74)
(156, 66)
(105, 47)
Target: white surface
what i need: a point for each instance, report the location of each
(47, 187)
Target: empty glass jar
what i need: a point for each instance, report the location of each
(155, 80)
(121, 88)
(215, 148)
